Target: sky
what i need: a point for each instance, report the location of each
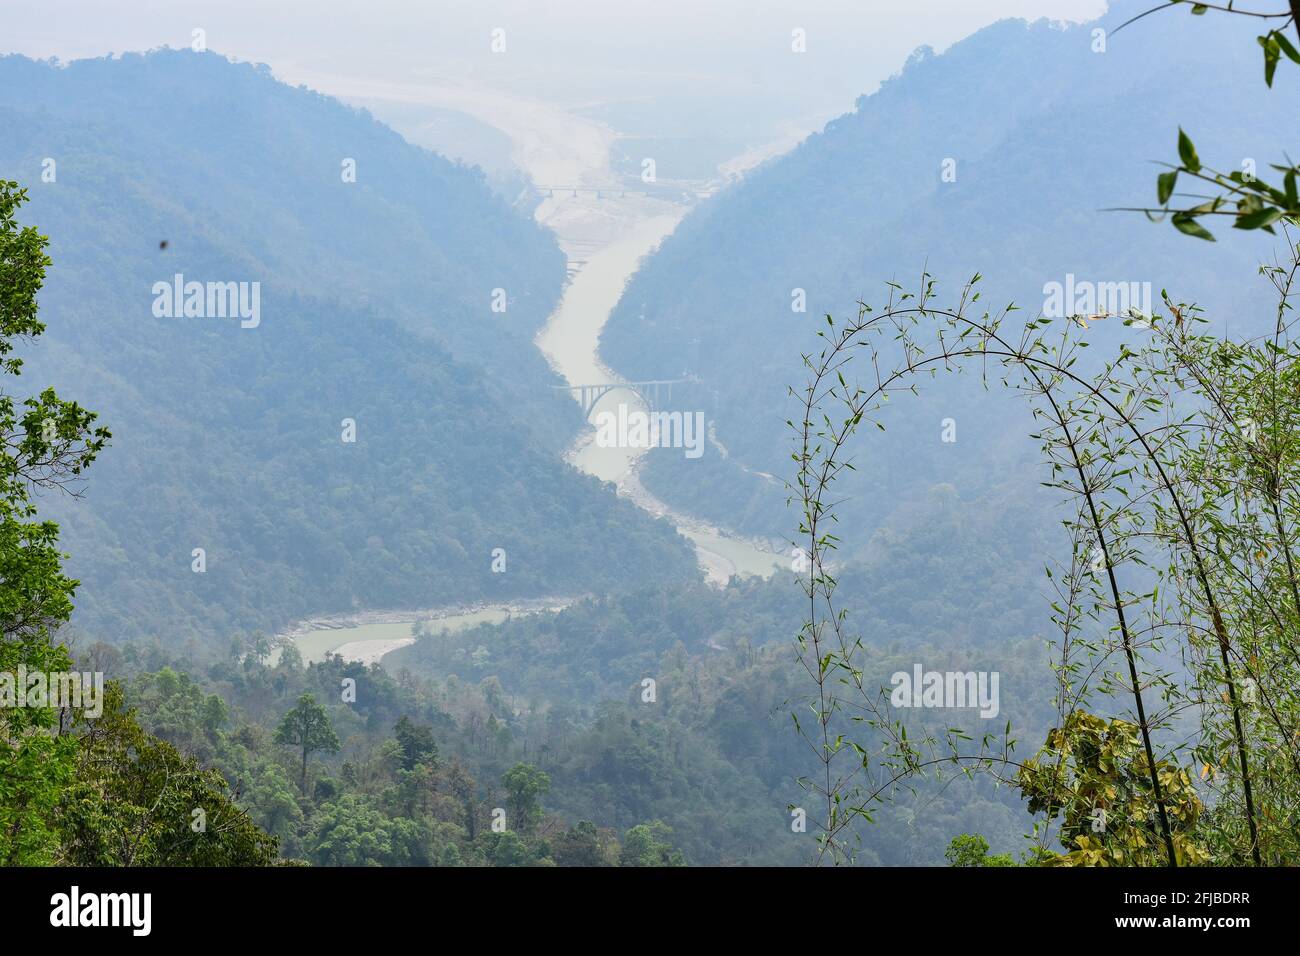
(656, 68)
(558, 49)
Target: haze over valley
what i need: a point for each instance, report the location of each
(650, 434)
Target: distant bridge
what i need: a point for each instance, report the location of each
(598, 193)
(649, 392)
(618, 192)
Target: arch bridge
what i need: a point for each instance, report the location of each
(653, 393)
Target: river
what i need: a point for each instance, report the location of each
(605, 232)
(605, 238)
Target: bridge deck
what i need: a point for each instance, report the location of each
(648, 391)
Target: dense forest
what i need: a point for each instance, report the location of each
(702, 757)
(373, 441)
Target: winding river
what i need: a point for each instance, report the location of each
(605, 232)
(606, 237)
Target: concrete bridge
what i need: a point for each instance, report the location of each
(649, 392)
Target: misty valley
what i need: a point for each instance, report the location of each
(649, 436)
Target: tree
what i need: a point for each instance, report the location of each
(261, 647)
(1092, 773)
(271, 795)
(525, 785)
(418, 745)
(290, 657)
(215, 714)
(45, 443)
(466, 792)
(579, 846)
(308, 727)
(509, 849)
(350, 832)
(136, 800)
(971, 849)
(647, 845)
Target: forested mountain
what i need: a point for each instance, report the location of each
(707, 763)
(220, 158)
(708, 748)
(996, 157)
(374, 307)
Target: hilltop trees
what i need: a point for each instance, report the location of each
(417, 743)
(307, 727)
(647, 845)
(973, 850)
(45, 443)
(76, 789)
(525, 786)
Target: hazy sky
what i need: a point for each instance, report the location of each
(565, 51)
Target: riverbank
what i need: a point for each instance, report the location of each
(367, 636)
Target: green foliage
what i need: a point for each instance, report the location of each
(525, 786)
(1236, 463)
(137, 801)
(646, 844)
(510, 849)
(973, 850)
(349, 832)
(1241, 196)
(307, 727)
(36, 765)
(1250, 202)
(417, 743)
(1092, 775)
(584, 845)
